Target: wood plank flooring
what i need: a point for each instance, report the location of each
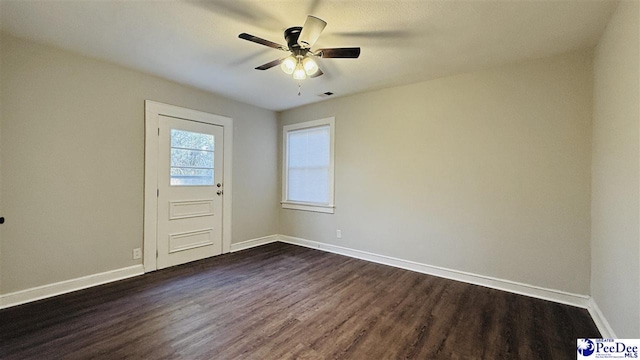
(281, 301)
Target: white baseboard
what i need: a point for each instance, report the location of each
(582, 301)
(253, 243)
(63, 287)
(558, 296)
(601, 322)
(67, 286)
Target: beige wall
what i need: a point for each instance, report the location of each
(615, 206)
(1, 116)
(73, 162)
(487, 172)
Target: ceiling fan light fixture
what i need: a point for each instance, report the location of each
(310, 66)
(289, 65)
(300, 63)
(299, 73)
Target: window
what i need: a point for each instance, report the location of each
(191, 158)
(308, 166)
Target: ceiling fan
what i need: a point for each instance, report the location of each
(300, 63)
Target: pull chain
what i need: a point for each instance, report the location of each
(299, 88)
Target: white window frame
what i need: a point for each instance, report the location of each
(297, 205)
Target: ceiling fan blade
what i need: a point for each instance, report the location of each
(317, 73)
(262, 41)
(270, 64)
(311, 31)
(345, 53)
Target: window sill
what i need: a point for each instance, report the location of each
(327, 209)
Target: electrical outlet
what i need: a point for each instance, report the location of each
(137, 253)
(339, 234)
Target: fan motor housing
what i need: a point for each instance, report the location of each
(291, 35)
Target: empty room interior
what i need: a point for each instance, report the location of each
(318, 179)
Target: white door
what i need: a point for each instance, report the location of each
(190, 191)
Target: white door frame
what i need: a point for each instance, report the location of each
(153, 110)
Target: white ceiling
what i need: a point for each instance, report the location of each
(196, 42)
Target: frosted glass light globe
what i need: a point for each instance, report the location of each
(310, 66)
(299, 73)
(288, 65)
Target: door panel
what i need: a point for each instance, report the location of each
(190, 188)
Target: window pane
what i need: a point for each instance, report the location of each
(191, 140)
(189, 176)
(193, 158)
(309, 147)
(308, 164)
(309, 185)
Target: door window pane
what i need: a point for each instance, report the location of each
(191, 140)
(191, 158)
(185, 176)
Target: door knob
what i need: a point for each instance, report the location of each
(219, 192)
(219, 185)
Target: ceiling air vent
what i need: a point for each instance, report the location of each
(325, 94)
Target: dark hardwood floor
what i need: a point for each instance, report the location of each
(282, 301)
